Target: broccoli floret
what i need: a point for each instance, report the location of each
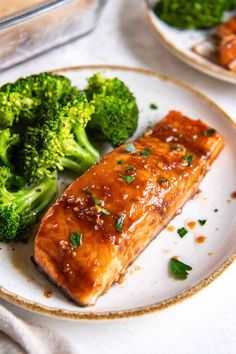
(59, 139)
(7, 141)
(20, 208)
(22, 100)
(184, 14)
(15, 106)
(116, 111)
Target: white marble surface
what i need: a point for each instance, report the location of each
(205, 323)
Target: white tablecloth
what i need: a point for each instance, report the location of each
(205, 323)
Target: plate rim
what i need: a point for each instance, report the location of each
(147, 309)
(205, 67)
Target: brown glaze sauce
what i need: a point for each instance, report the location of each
(47, 293)
(176, 257)
(191, 224)
(233, 195)
(201, 239)
(121, 277)
(210, 253)
(170, 228)
(197, 194)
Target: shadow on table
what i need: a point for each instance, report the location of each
(142, 41)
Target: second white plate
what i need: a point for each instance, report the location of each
(180, 42)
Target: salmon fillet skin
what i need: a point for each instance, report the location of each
(120, 205)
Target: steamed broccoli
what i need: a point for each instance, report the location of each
(59, 139)
(22, 100)
(43, 120)
(7, 141)
(190, 14)
(116, 111)
(19, 209)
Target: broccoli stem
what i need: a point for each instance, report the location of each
(36, 198)
(82, 155)
(19, 209)
(45, 198)
(72, 165)
(82, 139)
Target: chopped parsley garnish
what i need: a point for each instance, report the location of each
(120, 162)
(76, 239)
(162, 180)
(189, 159)
(100, 203)
(215, 210)
(130, 148)
(96, 200)
(119, 223)
(145, 152)
(178, 269)
(105, 211)
(175, 147)
(202, 222)
(93, 196)
(182, 231)
(130, 167)
(153, 106)
(209, 132)
(127, 179)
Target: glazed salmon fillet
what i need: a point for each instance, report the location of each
(227, 48)
(121, 204)
(227, 28)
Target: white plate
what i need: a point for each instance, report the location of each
(180, 42)
(151, 287)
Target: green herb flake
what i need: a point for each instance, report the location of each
(202, 222)
(145, 152)
(120, 162)
(215, 210)
(189, 159)
(119, 223)
(153, 106)
(127, 179)
(130, 167)
(76, 239)
(209, 132)
(182, 232)
(96, 200)
(130, 148)
(175, 147)
(162, 180)
(105, 211)
(179, 270)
